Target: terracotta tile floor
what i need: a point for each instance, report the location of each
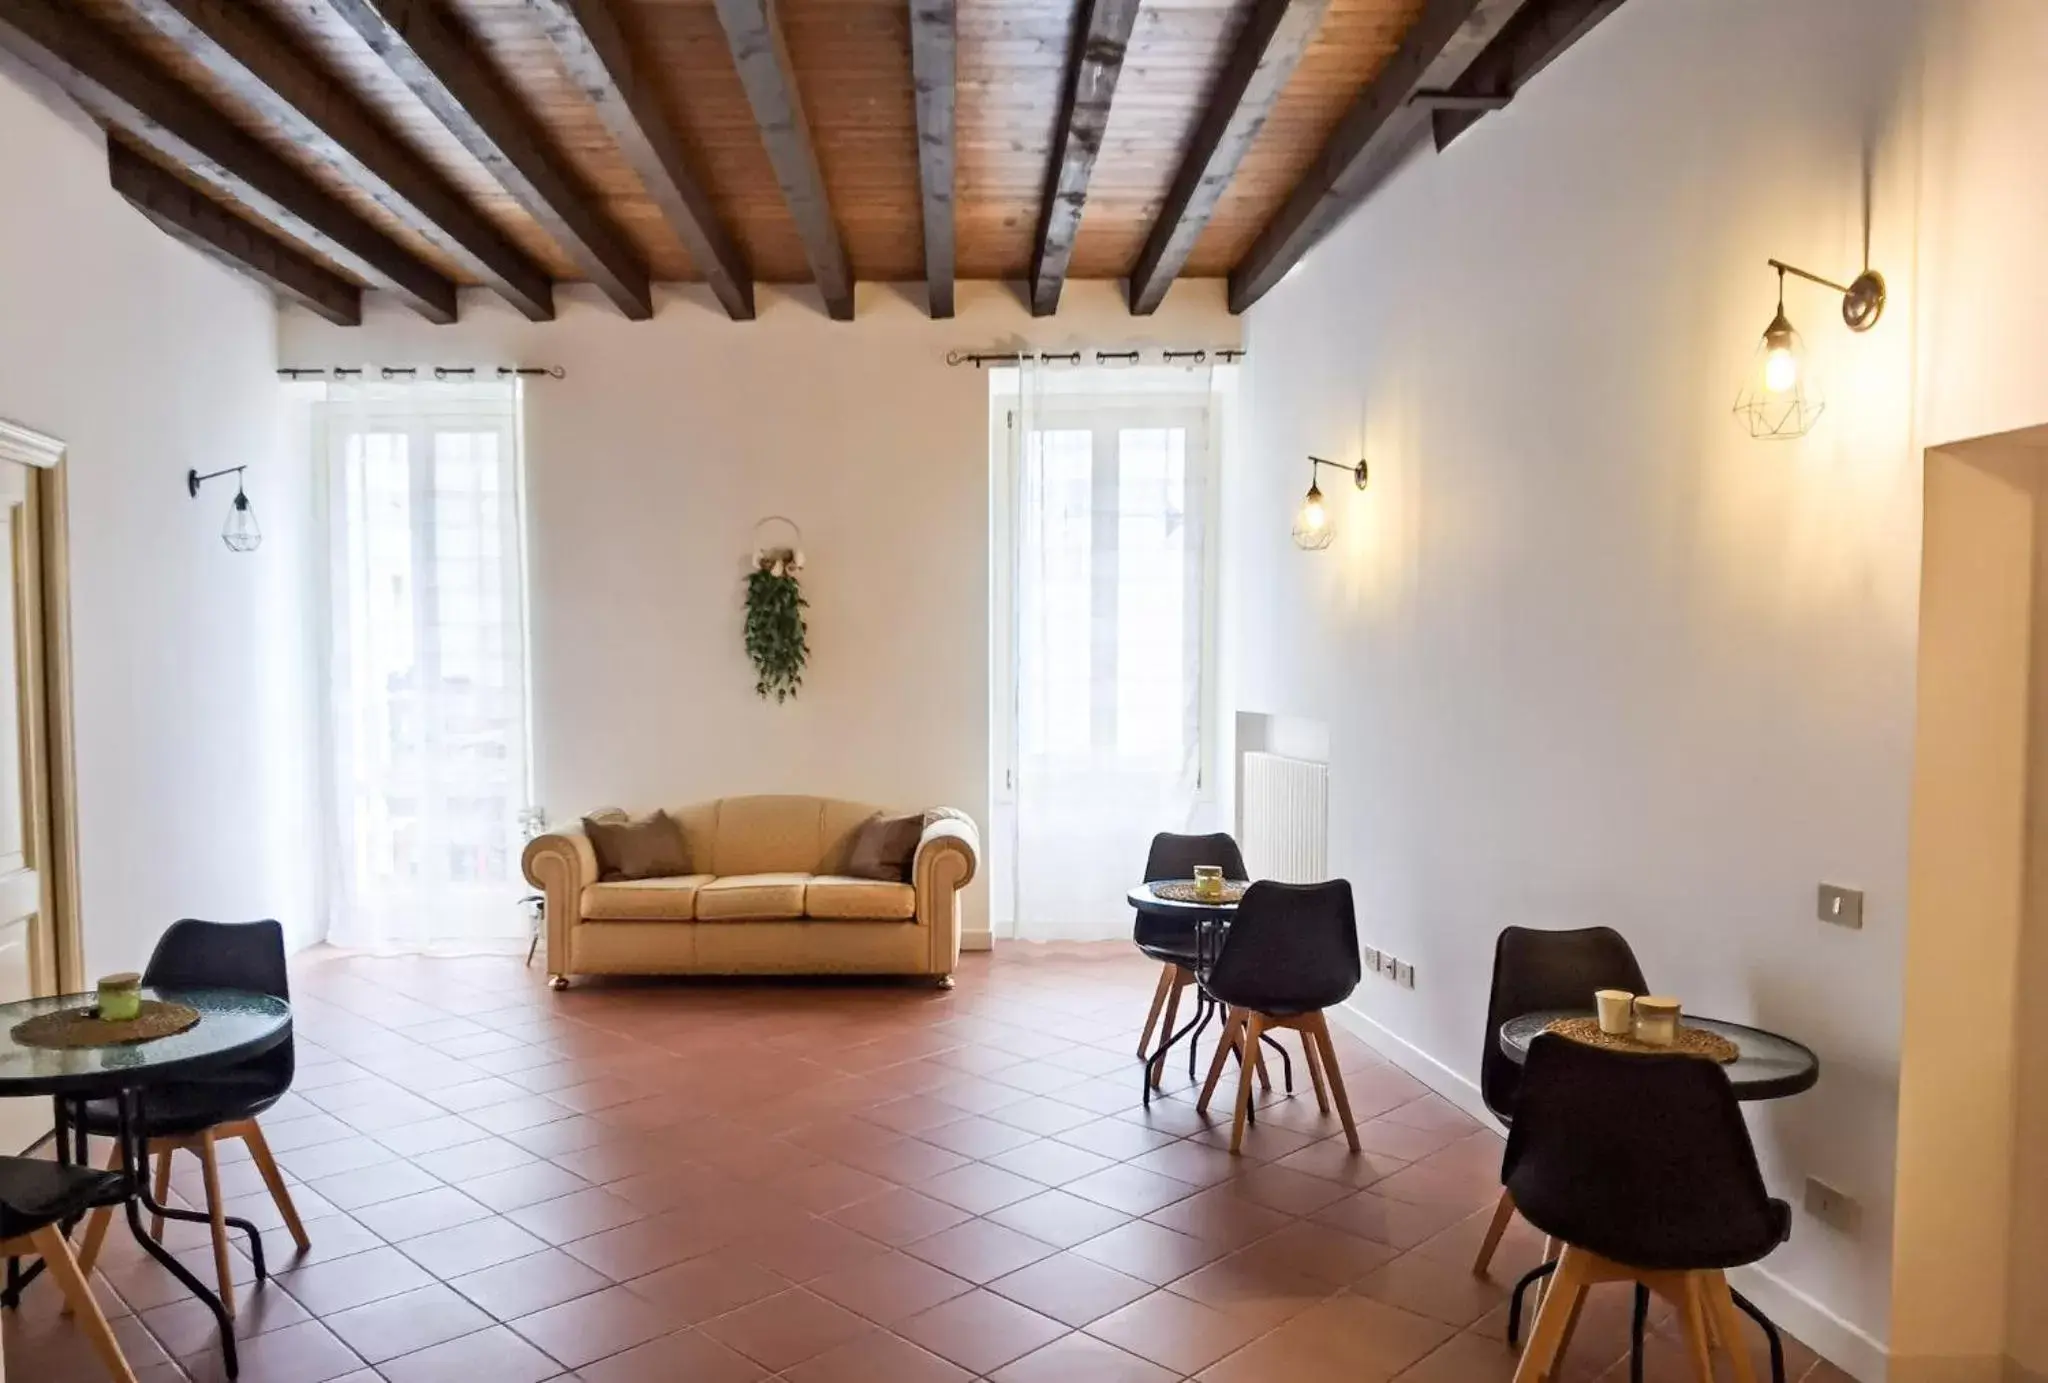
(827, 1184)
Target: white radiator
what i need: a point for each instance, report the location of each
(1286, 818)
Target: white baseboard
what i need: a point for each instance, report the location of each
(1845, 1345)
(1420, 1064)
(983, 940)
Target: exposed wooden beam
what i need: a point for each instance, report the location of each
(1097, 60)
(1274, 37)
(183, 213)
(1383, 125)
(456, 81)
(1535, 39)
(598, 57)
(121, 87)
(754, 32)
(250, 55)
(934, 39)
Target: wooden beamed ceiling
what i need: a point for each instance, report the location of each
(418, 146)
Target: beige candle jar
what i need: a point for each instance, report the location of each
(1656, 1020)
(1209, 882)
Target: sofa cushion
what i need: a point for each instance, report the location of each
(766, 835)
(838, 898)
(746, 897)
(650, 848)
(644, 900)
(883, 847)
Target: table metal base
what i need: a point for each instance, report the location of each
(74, 1150)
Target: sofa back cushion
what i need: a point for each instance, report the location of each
(778, 834)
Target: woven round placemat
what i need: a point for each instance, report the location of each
(82, 1027)
(1691, 1041)
(1233, 890)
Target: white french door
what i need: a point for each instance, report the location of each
(427, 720)
(1109, 635)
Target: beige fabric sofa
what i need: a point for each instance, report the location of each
(767, 898)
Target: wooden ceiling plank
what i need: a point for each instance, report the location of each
(754, 33)
(1381, 127)
(598, 57)
(1096, 61)
(1275, 36)
(251, 56)
(448, 73)
(934, 50)
(1537, 37)
(181, 212)
(121, 87)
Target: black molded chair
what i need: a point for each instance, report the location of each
(1535, 970)
(193, 1116)
(1642, 1168)
(37, 1199)
(1171, 941)
(1292, 951)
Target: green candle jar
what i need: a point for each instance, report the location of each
(120, 997)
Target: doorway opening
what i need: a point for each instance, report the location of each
(41, 946)
(1103, 711)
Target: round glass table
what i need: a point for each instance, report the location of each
(233, 1027)
(1210, 923)
(1769, 1066)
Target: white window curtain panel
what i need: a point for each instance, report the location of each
(1109, 522)
(426, 719)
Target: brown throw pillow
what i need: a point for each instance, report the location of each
(650, 848)
(883, 847)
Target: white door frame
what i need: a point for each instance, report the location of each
(46, 457)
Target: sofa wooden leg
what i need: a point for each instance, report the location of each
(558, 982)
(945, 981)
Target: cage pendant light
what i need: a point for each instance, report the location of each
(240, 532)
(1780, 397)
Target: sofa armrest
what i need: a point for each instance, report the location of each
(561, 864)
(948, 856)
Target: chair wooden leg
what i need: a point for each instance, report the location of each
(1720, 1304)
(251, 1133)
(1320, 1027)
(216, 1209)
(1539, 1356)
(1226, 1042)
(1159, 994)
(1503, 1213)
(1315, 1072)
(96, 1225)
(161, 1191)
(1259, 1063)
(58, 1262)
(1254, 1024)
(1692, 1318)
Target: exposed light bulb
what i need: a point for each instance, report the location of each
(1312, 516)
(1781, 369)
(240, 532)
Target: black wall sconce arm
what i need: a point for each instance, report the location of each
(1357, 473)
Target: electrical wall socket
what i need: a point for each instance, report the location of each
(1832, 1206)
(1404, 974)
(1372, 959)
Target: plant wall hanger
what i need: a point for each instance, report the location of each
(775, 610)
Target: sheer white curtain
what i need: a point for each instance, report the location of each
(1109, 524)
(426, 716)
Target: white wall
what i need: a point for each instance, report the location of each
(648, 466)
(1588, 653)
(192, 693)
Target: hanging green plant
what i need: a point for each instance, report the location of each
(775, 624)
